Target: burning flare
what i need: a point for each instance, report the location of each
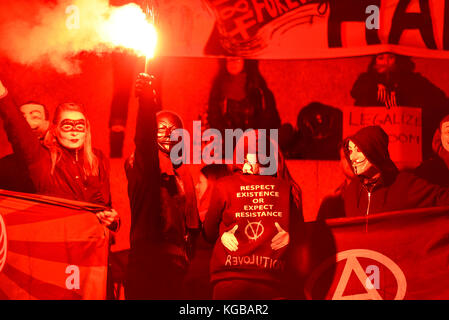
(128, 27)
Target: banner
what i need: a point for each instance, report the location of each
(302, 29)
(403, 125)
(397, 255)
(51, 248)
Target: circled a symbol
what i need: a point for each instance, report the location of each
(353, 265)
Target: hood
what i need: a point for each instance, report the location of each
(373, 142)
(437, 146)
(281, 171)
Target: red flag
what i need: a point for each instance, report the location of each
(397, 255)
(51, 248)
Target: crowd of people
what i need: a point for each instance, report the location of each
(241, 220)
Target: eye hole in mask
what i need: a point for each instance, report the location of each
(73, 125)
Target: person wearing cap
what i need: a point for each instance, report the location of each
(380, 186)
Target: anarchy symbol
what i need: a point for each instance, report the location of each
(254, 230)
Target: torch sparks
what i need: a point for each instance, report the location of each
(128, 27)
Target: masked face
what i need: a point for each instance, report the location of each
(251, 166)
(445, 135)
(385, 62)
(359, 162)
(35, 116)
(167, 122)
(71, 131)
(234, 65)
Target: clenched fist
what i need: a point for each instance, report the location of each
(145, 87)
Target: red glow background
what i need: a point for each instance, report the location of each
(186, 83)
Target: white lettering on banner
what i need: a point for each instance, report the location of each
(352, 265)
(258, 214)
(259, 261)
(259, 207)
(257, 187)
(257, 194)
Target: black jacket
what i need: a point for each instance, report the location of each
(412, 90)
(394, 190)
(164, 213)
(434, 171)
(14, 175)
(404, 191)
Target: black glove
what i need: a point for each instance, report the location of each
(145, 87)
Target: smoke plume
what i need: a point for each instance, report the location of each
(34, 32)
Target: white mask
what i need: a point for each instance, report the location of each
(71, 131)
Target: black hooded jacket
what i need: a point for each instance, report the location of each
(394, 190)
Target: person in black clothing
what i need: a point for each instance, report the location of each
(197, 281)
(164, 213)
(250, 218)
(391, 81)
(14, 174)
(379, 186)
(240, 98)
(330, 204)
(65, 165)
(436, 169)
(320, 130)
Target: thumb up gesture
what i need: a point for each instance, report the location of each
(281, 239)
(229, 240)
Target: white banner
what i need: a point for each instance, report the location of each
(302, 29)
